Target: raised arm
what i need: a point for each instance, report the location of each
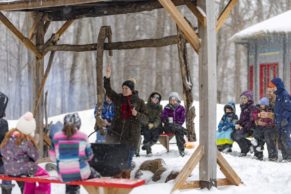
(109, 92)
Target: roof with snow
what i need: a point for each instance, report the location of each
(276, 25)
(58, 10)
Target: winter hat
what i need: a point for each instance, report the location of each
(26, 124)
(230, 105)
(156, 94)
(264, 101)
(175, 95)
(248, 94)
(73, 119)
(129, 83)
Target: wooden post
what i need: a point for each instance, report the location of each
(38, 73)
(207, 95)
(187, 86)
(105, 32)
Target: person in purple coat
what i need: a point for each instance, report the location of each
(245, 124)
(173, 117)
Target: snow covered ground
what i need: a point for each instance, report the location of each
(260, 177)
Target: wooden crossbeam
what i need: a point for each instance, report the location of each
(227, 170)
(225, 13)
(26, 42)
(188, 168)
(56, 36)
(196, 184)
(187, 30)
(29, 5)
(136, 44)
(197, 12)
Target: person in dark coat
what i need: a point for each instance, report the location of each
(282, 111)
(6, 186)
(225, 128)
(151, 131)
(264, 132)
(130, 114)
(173, 117)
(245, 124)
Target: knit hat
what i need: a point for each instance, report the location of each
(264, 101)
(129, 83)
(175, 95)
(73, 119)
(26, 124)
(156, 94)
(248, 94)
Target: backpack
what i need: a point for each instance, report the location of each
(3, 104)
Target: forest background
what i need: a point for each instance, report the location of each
(71, 84)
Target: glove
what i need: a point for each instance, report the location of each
(284, 123)
(150, 125)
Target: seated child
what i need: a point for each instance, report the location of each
(264, 132)
(173, 117)
(72, 151)
(225, 128)
(245, 124)
(19, 153)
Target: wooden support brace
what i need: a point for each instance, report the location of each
(196, 184)
(197, 12)
(227, 170)
(56, 36)
(188, 168)
(224, 14)
(187, 30)
(26, 42)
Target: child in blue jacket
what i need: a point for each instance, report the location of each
(108, 112)
(225, 128)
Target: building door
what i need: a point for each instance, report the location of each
(267, 73)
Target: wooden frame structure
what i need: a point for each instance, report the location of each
(204, 44)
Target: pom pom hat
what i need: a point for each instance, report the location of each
(26, 124)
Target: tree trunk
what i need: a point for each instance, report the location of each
(73, 70)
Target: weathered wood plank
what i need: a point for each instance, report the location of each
(56, 36)
(207, 94)
(188, 168)
(187, 30)
(187, 86)
(225, 13)
(26, 42)
(197, 12)
(30, 5)
(196, 184)
(145, 43)
(104, 9)
(227, 170)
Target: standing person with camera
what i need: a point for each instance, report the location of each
(126, 125)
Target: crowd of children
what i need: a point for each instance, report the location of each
(268, 122)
